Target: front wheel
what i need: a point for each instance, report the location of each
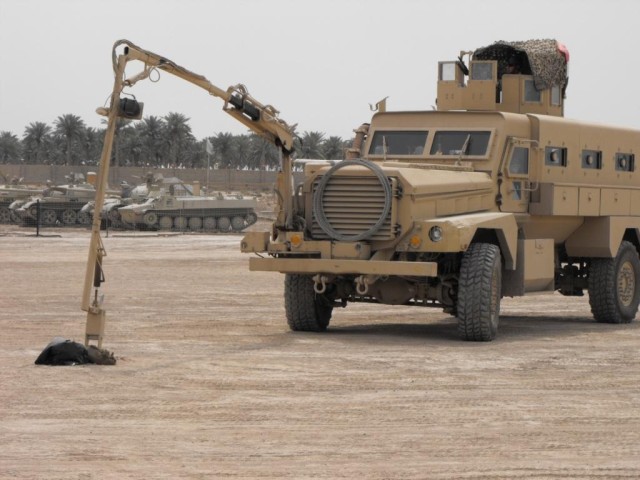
(479, 292)
(306, 310)
(614, 286)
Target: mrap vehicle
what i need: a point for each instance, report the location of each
(491, 194)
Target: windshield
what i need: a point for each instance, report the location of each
(474, 143)
(398, 143)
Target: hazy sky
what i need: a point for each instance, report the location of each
(319, 62)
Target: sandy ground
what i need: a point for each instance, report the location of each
(210, 383)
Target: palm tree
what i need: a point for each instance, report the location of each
(178, 137)
(151, 134)
(10, 148)
(93, 139)
(37, 143)
(333, 148)
(70, 131)
(310, 145)
(263, 153)
(222, 148)
(241, 151)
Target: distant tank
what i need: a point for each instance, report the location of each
(110, 216)
(58, 204)
(179, 206)
(14, 192)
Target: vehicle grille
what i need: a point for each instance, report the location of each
(353, 204)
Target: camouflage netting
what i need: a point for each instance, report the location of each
(541, 58)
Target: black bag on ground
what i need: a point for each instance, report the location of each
(63, 352)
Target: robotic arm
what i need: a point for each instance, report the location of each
(261, 119)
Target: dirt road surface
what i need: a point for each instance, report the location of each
(210, 383)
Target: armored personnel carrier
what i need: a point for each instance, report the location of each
(177, 206)
(14, 191)
(60, 204)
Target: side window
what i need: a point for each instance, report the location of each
(625, 162)
(555, 156)
(531, 95)
(592, 159)
(482, 71)
(519, 164)
(556, 96)
(448, 71)
(398, 142)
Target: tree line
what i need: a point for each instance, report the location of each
(154, 142)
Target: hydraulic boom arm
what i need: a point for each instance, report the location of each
(261, 119)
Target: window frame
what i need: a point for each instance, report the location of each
(436, 131)
(548, 150)
(598, 159)
(518, 175)
(398, 130)
(631, 167)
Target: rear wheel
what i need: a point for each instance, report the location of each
(210, 223)
(251, 218)
(69, 217)
(165, 222)
(306, 310)
(84, 218)
(195, 223)
(48, 217)
(5, 215)
(614, 286)
(180, 223)
(223, 224)
(150, 219)
(237, 223)
(479, 292)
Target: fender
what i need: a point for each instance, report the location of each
(458, 232)
(601, 236)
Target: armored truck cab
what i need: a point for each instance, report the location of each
(492, 194)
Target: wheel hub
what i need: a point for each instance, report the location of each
(626, 284)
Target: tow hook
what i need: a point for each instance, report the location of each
(320, 283)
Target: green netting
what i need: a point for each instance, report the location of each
(541, 58)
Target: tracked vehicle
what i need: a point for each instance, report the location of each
(58, 204)
(492, 194)
(177, 206)
(11, 192)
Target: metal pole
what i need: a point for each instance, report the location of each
(96, 316)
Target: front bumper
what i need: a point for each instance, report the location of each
(343, 266)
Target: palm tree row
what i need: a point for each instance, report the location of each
(154, 142)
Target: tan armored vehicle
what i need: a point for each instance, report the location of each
(11, 192)
(59, 204)
(492, 194)
(177, 206)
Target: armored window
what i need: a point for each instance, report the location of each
(460, 143)
(592, 159)
(531, 95)
(448, 71)
(625, 162)
(556, 96)
(481, 70)
(519, 164)
(398, 143)
(555, 156)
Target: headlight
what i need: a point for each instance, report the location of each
(435, 234)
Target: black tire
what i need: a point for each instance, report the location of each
(5, 215)
(614, 286)
(479, 293)
(306, 311)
